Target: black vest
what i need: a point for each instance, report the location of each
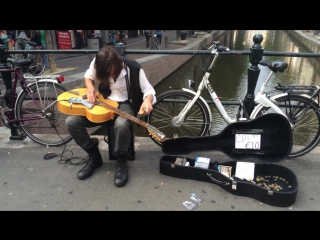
(134, 91)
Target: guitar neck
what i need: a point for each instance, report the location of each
(123, 114)
(156, 133)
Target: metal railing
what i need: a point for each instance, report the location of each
(255, 54)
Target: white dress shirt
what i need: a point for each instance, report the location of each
(118, 88)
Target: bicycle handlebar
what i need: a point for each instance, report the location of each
(222, 49)
(216, 45)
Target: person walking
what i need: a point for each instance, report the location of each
(159, 35)
(79, 39)
(113, 36)
(147, 33)
(122, 80)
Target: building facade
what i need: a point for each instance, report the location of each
(75, 39)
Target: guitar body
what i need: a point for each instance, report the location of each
(95, 114)
(267, 137)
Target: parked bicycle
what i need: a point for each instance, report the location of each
(38, 63)
(31, 108)
(185, 112)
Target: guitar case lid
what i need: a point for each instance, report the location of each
(267, 138)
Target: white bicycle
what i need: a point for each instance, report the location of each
(185, 112)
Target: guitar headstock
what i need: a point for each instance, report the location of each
(156, 133)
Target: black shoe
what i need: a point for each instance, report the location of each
(121, 176)
(94, 161)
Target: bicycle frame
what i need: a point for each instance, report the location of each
(260, 97)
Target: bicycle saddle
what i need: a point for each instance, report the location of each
(19, 62)
(275, 66)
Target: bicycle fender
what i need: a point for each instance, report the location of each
(45, 80)
(39, 81)
(259, 106)
(202, 99)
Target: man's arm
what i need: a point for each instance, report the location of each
(89, 78)
(149, 97)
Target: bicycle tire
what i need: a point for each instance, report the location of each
(37, 64)
(49, 129)
(306, 133)
(162, 117)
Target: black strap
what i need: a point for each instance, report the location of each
(128, 82)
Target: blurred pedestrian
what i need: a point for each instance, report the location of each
(37, 39)
(44, 46)
(23, 40)
(113, 36)
(79, 39)
(147, 33)
(5, 39)
(159, 35)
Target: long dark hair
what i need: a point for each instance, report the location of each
(106, 58)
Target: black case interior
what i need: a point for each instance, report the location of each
(266, 175)
(272, 184)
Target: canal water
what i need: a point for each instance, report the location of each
(229, 73)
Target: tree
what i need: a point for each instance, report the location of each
(49, 45)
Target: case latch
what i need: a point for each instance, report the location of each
(270, 192)
(234, 185)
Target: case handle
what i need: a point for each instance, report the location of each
(217, 181)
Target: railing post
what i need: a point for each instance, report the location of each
(166, 41)
(178, 34)
(253, 72)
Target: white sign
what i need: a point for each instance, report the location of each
(245, 170)
(248, 141)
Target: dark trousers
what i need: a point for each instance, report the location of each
(79, 40)
(77, 125)
(148, 35)
(7, 78)
(159, 37)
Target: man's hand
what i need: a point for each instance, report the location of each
(146, 106)
(91, 95)
(91, 92)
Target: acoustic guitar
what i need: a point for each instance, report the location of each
(73, 103)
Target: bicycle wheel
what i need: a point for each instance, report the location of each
(46, 124)
(305, 117)
(165, 111)
(37, 64)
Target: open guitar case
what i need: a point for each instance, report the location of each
(273, 184)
